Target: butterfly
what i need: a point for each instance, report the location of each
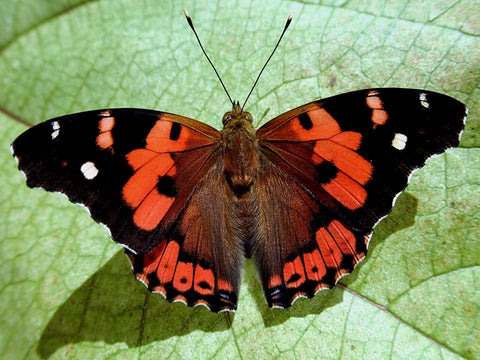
(300, 195)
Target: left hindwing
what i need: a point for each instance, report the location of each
(348, 156)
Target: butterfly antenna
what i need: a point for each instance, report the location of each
(189, 20)
(289, 20)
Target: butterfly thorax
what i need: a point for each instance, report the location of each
(240, 150)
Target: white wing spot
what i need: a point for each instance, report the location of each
(89, 170)
(423, 100)
(399, 141)
(56, 129)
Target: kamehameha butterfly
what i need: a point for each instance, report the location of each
(300, 195)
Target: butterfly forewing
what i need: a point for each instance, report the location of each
(122, 164)
(347, 157)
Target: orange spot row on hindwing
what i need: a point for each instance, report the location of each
(330, 252)
(379, 115)
(151, 260)
(105, 125)
(183, 278)
(275, 280)
(166, 267)
(293, 273)
(344, 238)
(314, 265)
(334, 242)
(204, 281)
(224, 285)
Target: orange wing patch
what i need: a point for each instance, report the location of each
(105, 125)
(336, 243)
(151, 190)
(347, 191)
(141, 193)
(345, 159)
(204, 280)
(224, 285)
(293, 273)
(354, 170)
(274, 281)
(349, 139)
(167, 136)
(379, 115)
(344, 239)
(152, 210)
(183, 279)
(312, 125)
(166, 267)
(314, 266)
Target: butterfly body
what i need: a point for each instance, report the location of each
(240, 150)
(300, 195)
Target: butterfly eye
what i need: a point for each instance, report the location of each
(227, 119)
(248, 118)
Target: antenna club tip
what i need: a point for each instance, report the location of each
(289, 20)
(189, 19)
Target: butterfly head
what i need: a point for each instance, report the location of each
(236, 114)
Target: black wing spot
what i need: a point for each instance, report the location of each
(347, 262)
(293, 278)
(329, 277)
(175, 131)
(152, 280)
(204, 285)
(326, 172)
(183, 280)
(166, 186)
(305, 121)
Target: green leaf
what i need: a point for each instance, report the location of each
(67, 290)
(18, 17)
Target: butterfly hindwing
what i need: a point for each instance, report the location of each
(300, 247)
(199, 263)
(349, 156)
